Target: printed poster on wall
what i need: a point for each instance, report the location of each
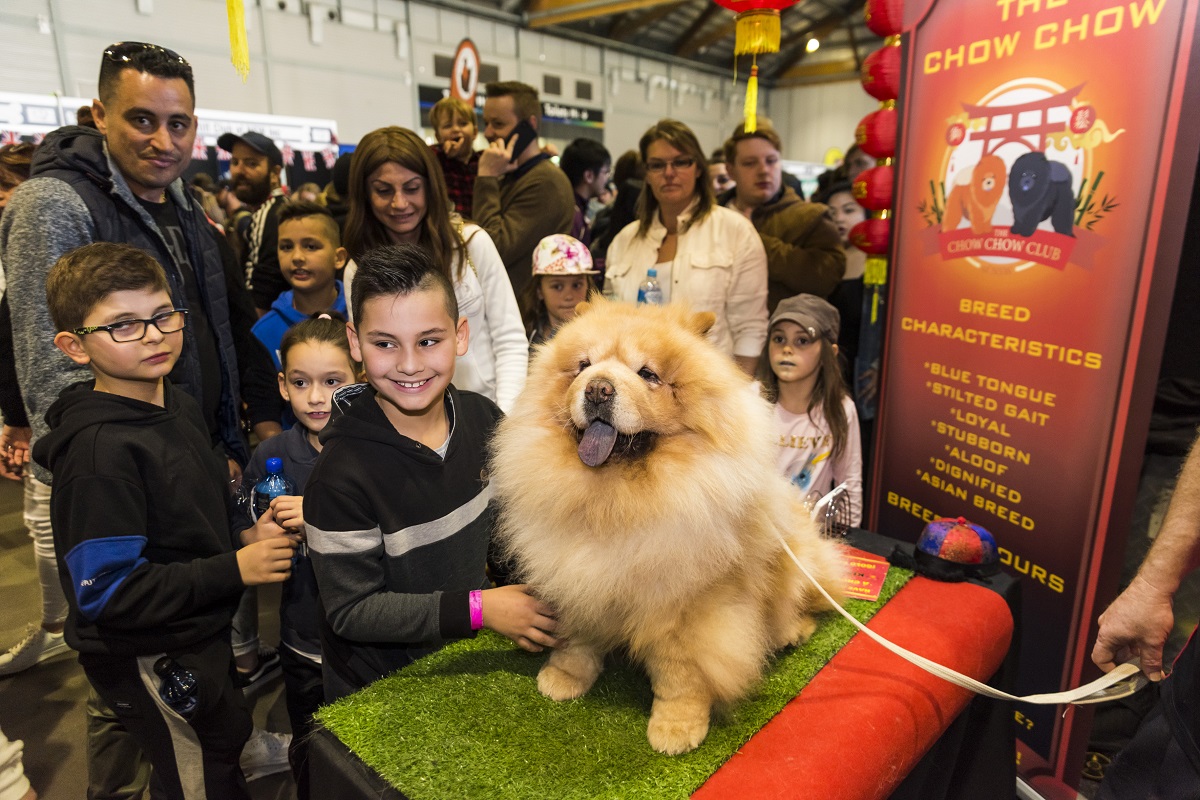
(1033, 133)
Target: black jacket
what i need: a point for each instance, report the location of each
(141, 516)
(77, 157)
(398, 536)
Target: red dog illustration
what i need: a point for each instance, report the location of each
(975, 195)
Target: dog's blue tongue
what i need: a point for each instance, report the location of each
(597, 443)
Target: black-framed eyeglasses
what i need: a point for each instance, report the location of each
(678, 164)
(132, 330)
(125, 52)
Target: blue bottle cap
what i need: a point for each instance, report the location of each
(274, 465)
(652, 273)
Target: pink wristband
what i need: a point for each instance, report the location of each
(475, 599)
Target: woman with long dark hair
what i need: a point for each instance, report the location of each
(398, 194)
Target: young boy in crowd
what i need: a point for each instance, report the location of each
(310, 256)
(397, 508)
(141, 516)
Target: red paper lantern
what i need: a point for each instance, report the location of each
(884, 17)
(876, 133)
(881, 73)
(873, 188)
(872, 236)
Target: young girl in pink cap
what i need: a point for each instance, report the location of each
(562, 279)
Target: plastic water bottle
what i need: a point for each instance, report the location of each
(275, 484)
(650, 293)
(178, 688)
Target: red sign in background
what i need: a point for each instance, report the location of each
(1030, 195)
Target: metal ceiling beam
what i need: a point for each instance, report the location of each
(697, 44)
(853, 43)
(696, 26)
(543, 13)
(825, 72)
(630, 24)
(797, 41)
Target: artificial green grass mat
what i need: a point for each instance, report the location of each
(468, 722)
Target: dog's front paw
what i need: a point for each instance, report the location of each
(558, 684)
(801, 628)
(672, 736)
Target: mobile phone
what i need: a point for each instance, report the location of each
(524, 134)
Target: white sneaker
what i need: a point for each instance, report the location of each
(36, 646)
(265, 754)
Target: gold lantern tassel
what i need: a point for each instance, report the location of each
(751, 109)
(757, 31)
(239, 48)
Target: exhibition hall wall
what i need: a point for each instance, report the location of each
(362, 62)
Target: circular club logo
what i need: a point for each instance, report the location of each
(464, 75)
(1016, 187)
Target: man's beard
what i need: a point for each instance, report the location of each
(251, 193)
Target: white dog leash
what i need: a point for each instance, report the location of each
(1121, 682)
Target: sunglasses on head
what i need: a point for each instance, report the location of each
(126, 52)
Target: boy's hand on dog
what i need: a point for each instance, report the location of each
(513, 612)
(268, 561)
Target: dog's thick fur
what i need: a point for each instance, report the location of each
(670, 547)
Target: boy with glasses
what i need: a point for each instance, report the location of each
(142, 523)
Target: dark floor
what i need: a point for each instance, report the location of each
(44, 706)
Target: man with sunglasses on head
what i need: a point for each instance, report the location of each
(122, 184)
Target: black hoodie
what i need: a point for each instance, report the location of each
(398, 535)
(140, 511)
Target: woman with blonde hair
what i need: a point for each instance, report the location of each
(397, 194)
(704, 254)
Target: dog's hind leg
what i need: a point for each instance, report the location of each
(571, 671)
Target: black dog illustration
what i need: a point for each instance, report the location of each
(1040, 189)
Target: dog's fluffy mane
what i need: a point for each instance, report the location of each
(691, 507)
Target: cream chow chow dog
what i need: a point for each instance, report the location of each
(638, 496)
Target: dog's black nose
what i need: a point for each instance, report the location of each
(599, 391)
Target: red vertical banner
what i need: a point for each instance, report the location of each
(1031, 204)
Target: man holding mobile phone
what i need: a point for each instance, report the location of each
(520, 196)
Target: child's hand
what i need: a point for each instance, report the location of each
(289, 511)
(268, 561)
(265, 528)
(513, 612)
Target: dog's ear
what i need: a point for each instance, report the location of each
(582, 306)
(702, 321)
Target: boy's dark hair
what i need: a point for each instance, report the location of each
(582, 155)
(151, 59)
(525, 97)
(82, 278)
(298, 209)
(399, 269)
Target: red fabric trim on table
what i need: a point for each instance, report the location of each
(866, 719)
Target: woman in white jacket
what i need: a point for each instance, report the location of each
(709, 256)
(398, 194)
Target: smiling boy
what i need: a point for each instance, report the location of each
(397, 509)
(310, 255)
(140, 512)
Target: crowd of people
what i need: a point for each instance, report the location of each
(367, 335)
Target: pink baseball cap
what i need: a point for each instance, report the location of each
(559, 254)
